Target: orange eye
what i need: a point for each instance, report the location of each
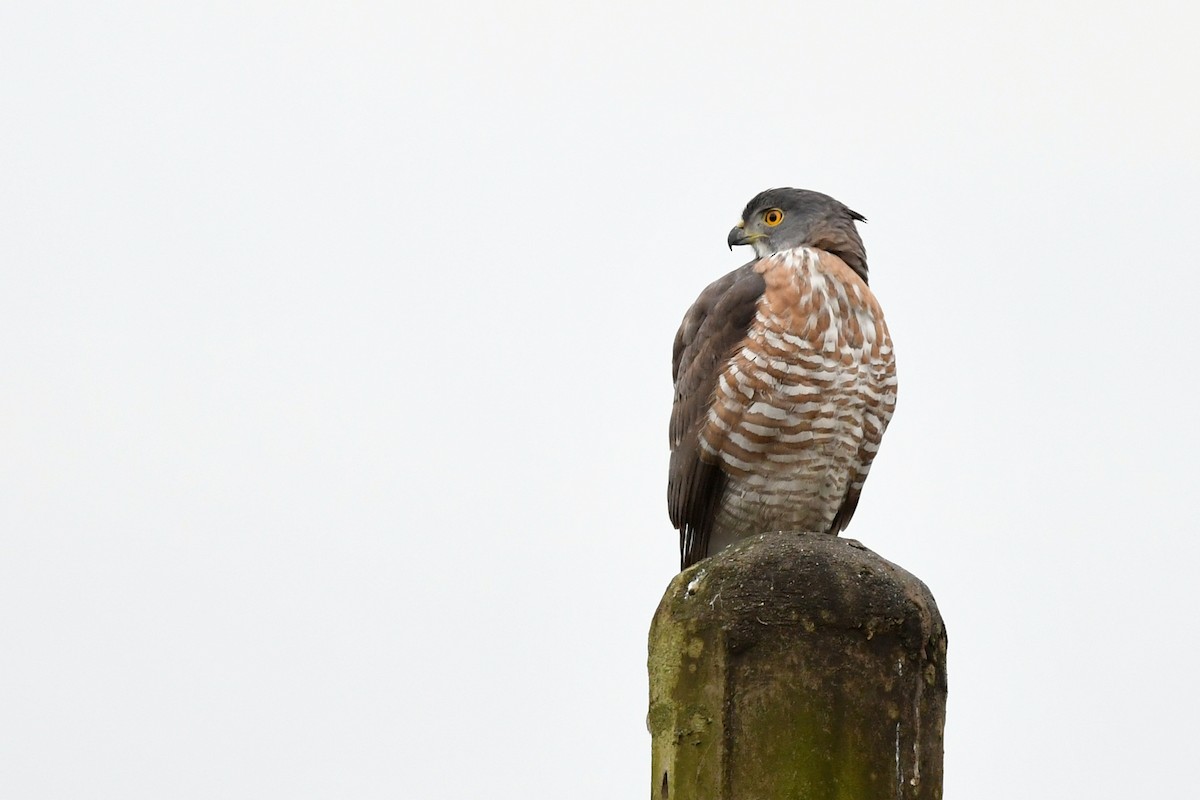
(772, 216)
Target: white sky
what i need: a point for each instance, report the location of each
(334, 375)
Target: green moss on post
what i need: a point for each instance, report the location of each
(797, 666)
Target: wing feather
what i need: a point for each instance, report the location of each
(712, 329)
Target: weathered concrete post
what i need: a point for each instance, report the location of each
(797, 666)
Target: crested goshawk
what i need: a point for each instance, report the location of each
(784, 381)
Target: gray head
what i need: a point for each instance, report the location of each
(780, 219)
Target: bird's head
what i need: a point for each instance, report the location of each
(780, 219)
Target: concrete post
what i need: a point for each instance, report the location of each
(793, 666)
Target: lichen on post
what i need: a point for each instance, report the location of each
(797, 665)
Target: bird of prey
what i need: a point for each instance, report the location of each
(784, 381)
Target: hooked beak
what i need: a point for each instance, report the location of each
(737, 236)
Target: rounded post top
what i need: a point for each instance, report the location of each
(806, 580)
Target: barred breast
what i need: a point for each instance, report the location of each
(802, 404)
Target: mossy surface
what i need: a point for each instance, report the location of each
(796, 666)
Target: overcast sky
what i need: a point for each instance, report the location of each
(335, 372)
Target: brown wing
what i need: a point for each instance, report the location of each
(846, 511)
(711, 330)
